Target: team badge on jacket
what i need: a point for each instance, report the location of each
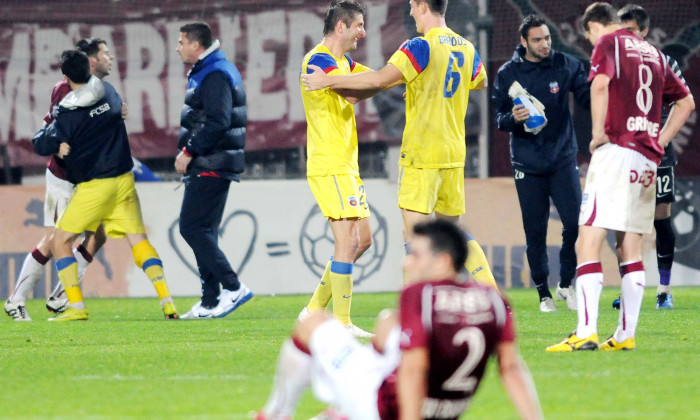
(554, 87)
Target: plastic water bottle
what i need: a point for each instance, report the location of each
(536, 120)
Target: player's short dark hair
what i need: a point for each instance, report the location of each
(436, 6)
(636, 13)
(75, 65)
(200, 32)
(90, 46)
(530, 21)
(446, 237)
(341, 10)
(599, 12)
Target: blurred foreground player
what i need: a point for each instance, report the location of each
(90, 135)
(627, 145)
(440, 69)
(427, 362)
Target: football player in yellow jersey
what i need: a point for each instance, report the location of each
(439, 69)
(332, 169)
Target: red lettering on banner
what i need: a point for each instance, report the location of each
(267, 44)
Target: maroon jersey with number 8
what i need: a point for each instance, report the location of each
(640, 82)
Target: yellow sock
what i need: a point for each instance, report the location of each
(155, 274)
(478, 265)
(322, 295)
(146, 258)
(341, 286)
(68, 274)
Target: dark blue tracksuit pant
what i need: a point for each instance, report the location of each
(200, 217)
(534, 191)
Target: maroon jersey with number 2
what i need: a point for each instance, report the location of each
(460, 324)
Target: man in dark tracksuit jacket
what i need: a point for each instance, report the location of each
(544, 165)
(90, 135)
(212, 137)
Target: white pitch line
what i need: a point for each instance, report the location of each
(119, 377)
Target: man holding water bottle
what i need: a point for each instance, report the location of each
(531, 101)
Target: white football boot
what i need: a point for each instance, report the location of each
(230, 300)
(17, 311)
(569, 295)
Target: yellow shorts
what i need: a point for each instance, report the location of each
(110, 201)
(425, 190)
(340, 196)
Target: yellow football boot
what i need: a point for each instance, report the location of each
(612, 345)
(169, 310)
(71, 314)
(574, 343)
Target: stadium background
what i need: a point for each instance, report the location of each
(267, 41)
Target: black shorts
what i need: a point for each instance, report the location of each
(665, 185)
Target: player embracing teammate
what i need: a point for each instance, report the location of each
(440, 69)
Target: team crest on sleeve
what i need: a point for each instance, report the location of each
(352, 200)
(554, 87)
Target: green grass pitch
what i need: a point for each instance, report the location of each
(127, 362)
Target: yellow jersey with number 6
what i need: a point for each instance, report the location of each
(331, 133)
(439, 69)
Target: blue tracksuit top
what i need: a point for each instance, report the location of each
(550, 81)
(213, 120)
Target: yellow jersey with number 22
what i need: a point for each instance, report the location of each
(331, 133)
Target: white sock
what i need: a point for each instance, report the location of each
(58, 292)
(82, 265)
(589, 284)
(29, 276)
(663, 289)
(292, 378)
(631, 294)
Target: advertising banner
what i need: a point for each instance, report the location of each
(279, 243)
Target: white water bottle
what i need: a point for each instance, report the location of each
(537, 120)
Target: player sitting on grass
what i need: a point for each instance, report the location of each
(427, 362)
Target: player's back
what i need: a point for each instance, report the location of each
(99, 142)
(440, 69)
(638, 73)
(460, 325)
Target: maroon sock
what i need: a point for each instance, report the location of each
(298, 344)
(84, 252)
(39, 257)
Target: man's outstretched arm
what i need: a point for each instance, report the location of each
(385, 78)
